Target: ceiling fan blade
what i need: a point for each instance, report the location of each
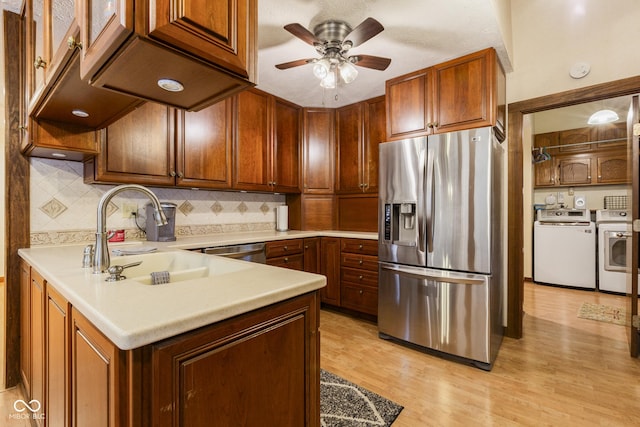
(370, 61)
(363, 32)
(302, 33)
(292, 64)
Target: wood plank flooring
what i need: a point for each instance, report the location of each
(566, 371)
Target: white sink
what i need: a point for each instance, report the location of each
(181, 265)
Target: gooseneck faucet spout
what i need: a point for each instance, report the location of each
(101, 260)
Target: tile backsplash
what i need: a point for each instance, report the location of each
(63, 207)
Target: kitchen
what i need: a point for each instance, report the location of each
(515, 92)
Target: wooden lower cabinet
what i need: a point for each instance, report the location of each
(330, 267)
(286, 253)
(312, 261)
(259, 368)
(57, 395)
(359, 275)
(25, 327)
(95, 372)
(251, 370)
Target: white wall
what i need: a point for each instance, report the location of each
(551, 35)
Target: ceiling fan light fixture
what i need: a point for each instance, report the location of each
(348, 72)
(329, 81)
(321, 68)
(603, 116)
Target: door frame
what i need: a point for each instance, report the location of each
(515, 224)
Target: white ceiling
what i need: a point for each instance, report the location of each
(418, 34)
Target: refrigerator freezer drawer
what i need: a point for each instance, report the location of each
(454, 313)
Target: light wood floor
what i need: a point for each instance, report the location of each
(566, 371)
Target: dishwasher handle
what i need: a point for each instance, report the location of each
(253, 252)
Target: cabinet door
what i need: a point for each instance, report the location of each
(252, 141)
(463, 92)
(285, 156)
(567, 138)
(374, 134)
(38, 371)
(258, 369)
(219, 31)
(312, 260)
(318, 151)
(574, 170)
(105, 25)
(25, 327)
(57, 351)
(349, 143)
(204, 147)
(545, 174)
(408, 108)
(95, 365)
(612, 132)
(330, 246)
(139, 148)
(612, 168)
(38, 51)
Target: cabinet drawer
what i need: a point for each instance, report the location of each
(360, 246)
(366, 262)
(360, 277)
(284, 247)
(294, 262)
(360, 298)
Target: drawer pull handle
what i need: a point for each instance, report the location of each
(286, 260)
(360, 277)
(285, 248)
(359, 246)
(360, 262)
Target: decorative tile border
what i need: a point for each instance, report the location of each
(69, 237)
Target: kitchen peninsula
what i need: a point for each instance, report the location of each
(237, 345)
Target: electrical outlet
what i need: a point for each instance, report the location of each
(128, 209)
(570, 191)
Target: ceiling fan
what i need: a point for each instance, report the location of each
(332, 39)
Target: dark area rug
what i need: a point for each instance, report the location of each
(344, 404)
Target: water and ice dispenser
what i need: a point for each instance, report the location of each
(400, 226)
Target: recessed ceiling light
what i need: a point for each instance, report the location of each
(80, 113)
(59, 155)
(170, 85)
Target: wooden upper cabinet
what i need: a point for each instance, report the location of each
(360, 128)
(615, 135)
(285, 153)
(574, 171)
(374, 134)
(139, 148)
(349, 142)
(266, 145)
(208, 46)
(203, 146)
(464, 93)
(318, 150)
(407, 103)
(612, 169)
(252, 139)
(567, 139)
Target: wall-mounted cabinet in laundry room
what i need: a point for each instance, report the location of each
(582, 156)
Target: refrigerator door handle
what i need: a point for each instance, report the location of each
(430, 201)
(435, 277)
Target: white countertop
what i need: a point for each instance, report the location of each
(132, 314)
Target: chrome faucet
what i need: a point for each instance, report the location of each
(101, 259)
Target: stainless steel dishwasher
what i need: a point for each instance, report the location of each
(253, 252)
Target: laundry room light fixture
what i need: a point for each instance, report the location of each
(603, 116)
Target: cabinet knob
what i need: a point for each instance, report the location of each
(172, 173)
(39, 63)
(360, 277)
(286, 260)
(180, 174)
(360, 262)
(306, 246)
(589, 177)
(360, 246)
(599, 176)
(73, 44)
(286, 248)
(361, 292)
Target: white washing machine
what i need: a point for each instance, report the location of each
(564, 252)
(613, 225)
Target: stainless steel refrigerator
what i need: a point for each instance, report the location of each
(440, 243)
